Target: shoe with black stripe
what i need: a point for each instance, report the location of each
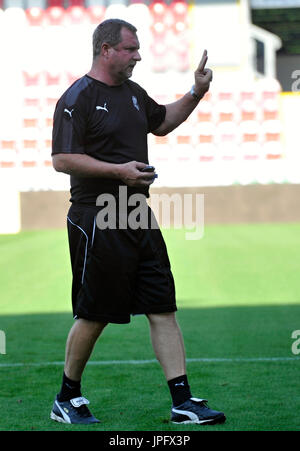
(196, 411)
(74, 411)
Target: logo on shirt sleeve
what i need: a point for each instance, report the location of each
(68, 112)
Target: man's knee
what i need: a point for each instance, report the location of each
(162, 318)
(93, 328)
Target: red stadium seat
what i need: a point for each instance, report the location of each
(247, 95)
(96, 14)
(205, 152)
(270, 109)
(271, 131)
(249, 110)
(32, 100)
(272, 150)
(49, 121)
(160, 155)
(31, 78)
(55, 15)
(226, 94)
(250, 151)
(226, 110)
(204, 111)
(53, 78)
(181, 54)
(8, 153)
(227, 133)
(72, 3)
(248, 91)
(227, 140)
(184, 134)
(29, 156)
(159, 50)
(31, 117)
(46, 116)
(170, 44)
(76, 15)
(35, 16)
(179, 10)
(205, 132)
(161, 140)
(250, 132)
(45, 146)
(56, 3)
(54, 87)
(8, 144)
(32, 82)
(269, 89)
(159, 12)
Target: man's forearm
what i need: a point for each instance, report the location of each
(82, 165)
(176, 113)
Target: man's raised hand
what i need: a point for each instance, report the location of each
(203, 76)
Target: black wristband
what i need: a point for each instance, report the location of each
(196, 96)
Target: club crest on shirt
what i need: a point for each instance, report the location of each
(135, 103)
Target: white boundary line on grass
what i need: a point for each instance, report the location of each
(143, 362)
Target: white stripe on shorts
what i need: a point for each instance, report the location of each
(86, 246)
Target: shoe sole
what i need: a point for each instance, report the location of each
(218, 420)
(57, 418)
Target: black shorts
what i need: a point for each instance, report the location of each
(117, 272)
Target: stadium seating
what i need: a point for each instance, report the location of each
(8, 152)
(234, 121)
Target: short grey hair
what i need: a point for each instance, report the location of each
(109, 32)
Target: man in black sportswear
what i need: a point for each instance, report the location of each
(100, 139)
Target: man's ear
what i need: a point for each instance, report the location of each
(105, 50)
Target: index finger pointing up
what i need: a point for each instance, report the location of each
(203, 61)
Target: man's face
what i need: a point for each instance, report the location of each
(124, 56)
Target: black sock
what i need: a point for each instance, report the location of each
(179, 389)
(69, 389)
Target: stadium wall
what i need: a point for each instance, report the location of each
(222, 205)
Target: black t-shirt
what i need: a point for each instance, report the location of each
(109, 123)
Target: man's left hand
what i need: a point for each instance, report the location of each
(203, 76)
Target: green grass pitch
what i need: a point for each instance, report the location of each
(238, 295)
